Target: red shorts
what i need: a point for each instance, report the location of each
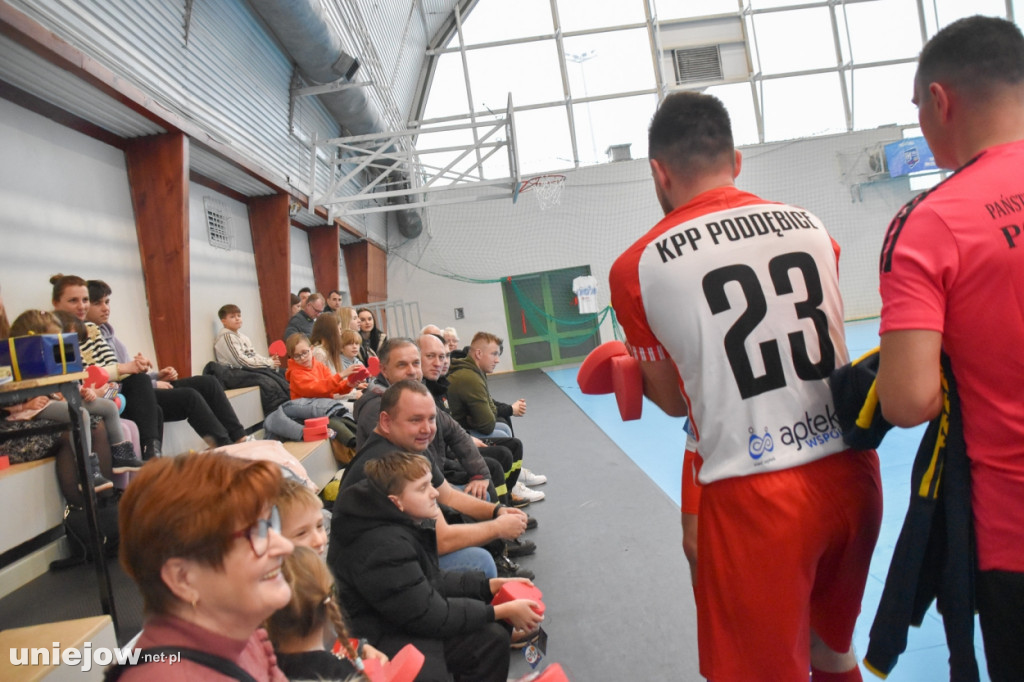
(781, 554)
(690, 493)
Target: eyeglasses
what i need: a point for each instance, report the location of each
(303, 354)
(259, 532)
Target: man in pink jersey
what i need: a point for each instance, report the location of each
(731, 305)
(952, 282)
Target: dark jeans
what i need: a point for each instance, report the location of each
(202, 401)
(1000, 600)
(142, 408)
(479, 656)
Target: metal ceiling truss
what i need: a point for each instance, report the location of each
(396, 176)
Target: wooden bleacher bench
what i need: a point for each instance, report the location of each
(98, 631)
(180, 437)
(31, 502)
(316, 457)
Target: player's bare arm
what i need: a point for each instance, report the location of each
(908, 382)
(661, 385)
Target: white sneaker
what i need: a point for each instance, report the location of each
(520, 490)
(527, 477)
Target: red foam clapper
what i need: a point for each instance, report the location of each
(553, 673)
(97, 377)
(278, 348)
(315, 422)
(517, 589)
(403, 666)
(373, 364)
(5, 461)
(595, 375)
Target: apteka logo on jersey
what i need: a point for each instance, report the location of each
(812, 431)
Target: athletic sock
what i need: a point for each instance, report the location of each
(852, 675)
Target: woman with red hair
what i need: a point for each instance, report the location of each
(202, 540)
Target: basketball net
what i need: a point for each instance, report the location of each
(546, 188)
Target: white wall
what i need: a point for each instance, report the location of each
(219, 276)
(605, 208)
(302, 262)
(65, 207)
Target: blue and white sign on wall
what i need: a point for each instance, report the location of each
(911, 155)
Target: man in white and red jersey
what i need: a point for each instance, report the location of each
(731, 305)
(952, 281)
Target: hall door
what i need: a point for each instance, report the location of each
(545, 326)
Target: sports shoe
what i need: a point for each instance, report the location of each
(517, 501)
(517, 548)
(527, 477)
(99, 483)
(122, 458)
(510, 569)
(531, 522)
(520, 490)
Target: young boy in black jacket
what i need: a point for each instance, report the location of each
(394, 592)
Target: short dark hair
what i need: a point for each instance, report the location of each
(392, 344)
(228, 309)
(976, 54)
(305, 290)
(395, 391)
(691, 133)
(98, 289)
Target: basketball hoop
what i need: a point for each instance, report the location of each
(547, 189)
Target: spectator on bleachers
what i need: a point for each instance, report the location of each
(451, 338)
(304, 520)
(300, 629)
(504, 458)
(302, 321)
(200, 537)
(237, 364)
(334, 301)
(329, 348)
(407, 419)
(71, 295)
(469, 396)
(296, 304)
(310, 378)
(235, 349)
(451, 342)
(200, 399)
(34, 447)
(373, 336)
(348, 318)
(304, 293)
(54, 408)
(351, 342)
(392, 588)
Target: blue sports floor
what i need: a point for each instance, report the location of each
(655, 444)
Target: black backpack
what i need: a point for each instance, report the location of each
(76, 528)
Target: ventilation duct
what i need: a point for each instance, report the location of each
(307, 37)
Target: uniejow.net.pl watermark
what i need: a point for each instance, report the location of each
(86, 657)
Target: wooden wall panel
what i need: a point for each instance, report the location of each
(323, 253)
(367, 267)
(271, 242)
(158, 179)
